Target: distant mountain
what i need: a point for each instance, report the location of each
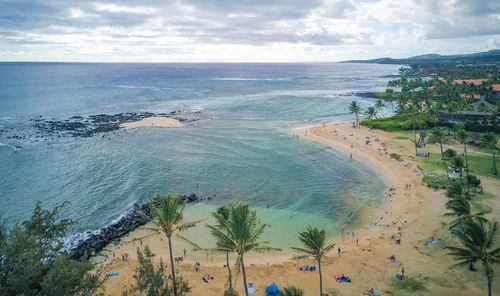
(488, 57)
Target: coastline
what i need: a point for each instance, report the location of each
(153, 121)
(412, 215)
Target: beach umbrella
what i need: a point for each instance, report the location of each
(272, 290)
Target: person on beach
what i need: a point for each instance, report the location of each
(339, 250)
(184, 252)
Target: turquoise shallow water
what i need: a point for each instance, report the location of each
(244, 154)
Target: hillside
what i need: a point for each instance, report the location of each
(488, 57)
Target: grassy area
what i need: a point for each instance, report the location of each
(388, 124)
(382, 95)
(409, 284)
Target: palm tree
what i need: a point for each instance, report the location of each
(223, 244)
(380, 105)
(461, 211)
(438, 136)
(314, 241)
(489, 140)
(240, 233)
(477, 239)
(463, 137)
(371, 112)
(355, 108)
(167, 214)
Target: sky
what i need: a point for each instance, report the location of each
(243, 30)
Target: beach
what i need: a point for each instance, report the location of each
(153, 121)
(409, 213)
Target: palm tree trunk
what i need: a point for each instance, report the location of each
(320, 278)
(467, 171)
(172, 264)
(244, 275)
(415, 138)
(445, 165)
(357, 120)
(229, 272)
(489, 287)
(494, 163)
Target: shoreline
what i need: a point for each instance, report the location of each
(153, 121)
(412, 216)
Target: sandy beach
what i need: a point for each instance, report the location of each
(408, 212)
(153, 121)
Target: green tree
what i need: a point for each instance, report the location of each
(241, 233)
(33, 261)
(355, 108)
(292, 291)
(438, 136)
(463, 137)
(490, 141)
(371, 112)
(168, 219)
(477, 240)
(461, 211)
(223, 244)
(380, 105)
(315, 245)
(150, 280)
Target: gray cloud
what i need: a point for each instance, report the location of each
(175, 24)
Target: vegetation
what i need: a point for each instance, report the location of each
(168, 219)
(477, 238)
(240, 233)
(223, 245)
(355, 108)
(490, 141)
(315, 245)
(150, 280)
(33, 261)
(292, 291)
(409, 284)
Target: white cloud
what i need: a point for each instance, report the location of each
(272, 30)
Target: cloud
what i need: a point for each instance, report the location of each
(176, 28)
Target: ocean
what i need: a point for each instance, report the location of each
(239, 150)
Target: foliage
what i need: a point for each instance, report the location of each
(314, 245)
(395, 156)
(409, 284)
(167, 212)
(223, 245)
(435, 182)
(292, 291)
(240, 233)
(477, 239)
(151, 280)
(34, 263)
(473, 180)
(460, 209)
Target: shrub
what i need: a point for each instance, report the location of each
(395, 156)
(473, 180)
(292, 291)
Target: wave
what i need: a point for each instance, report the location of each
(9, 146)
(249, 79)
(155, 88)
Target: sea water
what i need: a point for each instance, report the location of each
(239, 151)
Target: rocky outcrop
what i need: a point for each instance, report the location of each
(78, 126)
(139, 216)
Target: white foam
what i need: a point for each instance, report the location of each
(7, 145)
